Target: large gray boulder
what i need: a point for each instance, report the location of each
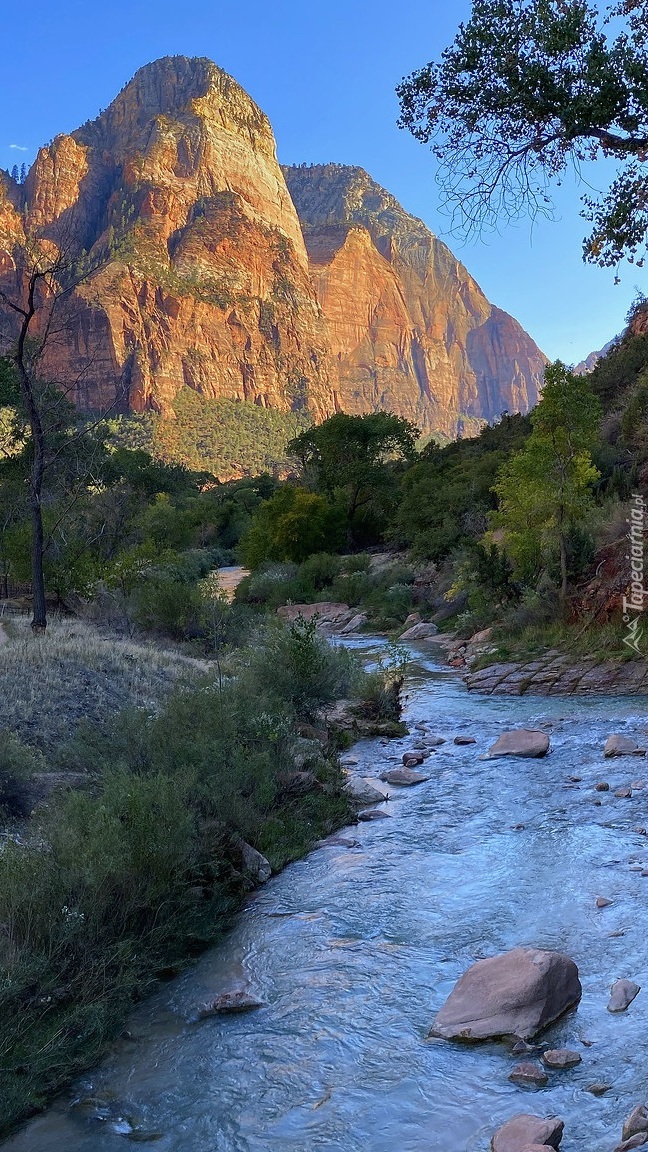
(518, 993)
(523, 1131)
(520, 742)
(362, 792)
(255, 866)
(420, 632)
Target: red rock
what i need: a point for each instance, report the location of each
(524, 1130)
(529, 1074)
(517, 994)
(561, 1058)
(520, 742)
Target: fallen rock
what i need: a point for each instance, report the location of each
(227, 1003)
(354, 625)
(373, 814)
(362, 792)
(603, 902)
(637, 1122)
(521, 1131)
(465, 740)
(561, 1058)
(520, 742)
(617, 745)
(420, 632)
(518, 993)
(405, 777)
(623, 993)
(530, 1074)
(255, 866)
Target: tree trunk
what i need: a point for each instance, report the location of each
(563, 567)
(39, 606)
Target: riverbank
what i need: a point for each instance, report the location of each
(145, 794)
(353, 949)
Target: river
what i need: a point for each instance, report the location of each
(353, 950)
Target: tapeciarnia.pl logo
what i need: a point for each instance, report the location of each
(633, 605)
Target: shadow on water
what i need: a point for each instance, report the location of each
(353, 950)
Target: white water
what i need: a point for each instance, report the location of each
(354, 950)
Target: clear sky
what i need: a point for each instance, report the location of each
(325, 75)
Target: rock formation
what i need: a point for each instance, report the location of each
(198, 271)
(173, 205)
(410, 329)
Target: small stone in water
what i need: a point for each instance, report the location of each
(598, 1089)
(530, 1074)
(229, 1002)
(561, 1058)
(638, 784)
(575, 779)
(623, 793)
(603, 902)
(602, 786)
(372, 814)
(465, 740)
(522, 1048)
(619, 932)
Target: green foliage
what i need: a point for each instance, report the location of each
(292, 525)
(528, 88)
(447, 493)
(545, 490)
(354, 461)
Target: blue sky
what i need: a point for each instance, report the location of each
(325, 75)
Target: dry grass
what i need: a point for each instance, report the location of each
(50, 683)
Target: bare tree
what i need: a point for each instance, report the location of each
(43, 287)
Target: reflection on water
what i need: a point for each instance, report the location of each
(353, 950)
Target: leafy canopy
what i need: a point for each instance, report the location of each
(528, 89)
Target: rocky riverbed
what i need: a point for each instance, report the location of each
(350, 955)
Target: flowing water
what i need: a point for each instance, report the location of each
(353, 950)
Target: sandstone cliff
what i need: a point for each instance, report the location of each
(196, 271)
(199, 273)
(410, 329)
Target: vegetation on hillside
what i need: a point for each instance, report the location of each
(230, 439)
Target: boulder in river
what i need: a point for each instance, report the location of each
(617, 745)
(419, 632)
(373, 814)
(520, 742)
(465, 740)
(362, 792)
(405, 777)
(518, 993)
(623, 993)
(521, 1131)
(637, 1122)
(633, 1142)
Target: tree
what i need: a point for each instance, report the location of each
(45, 277)
(528, 88)
(349, 459)
(545, 489)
